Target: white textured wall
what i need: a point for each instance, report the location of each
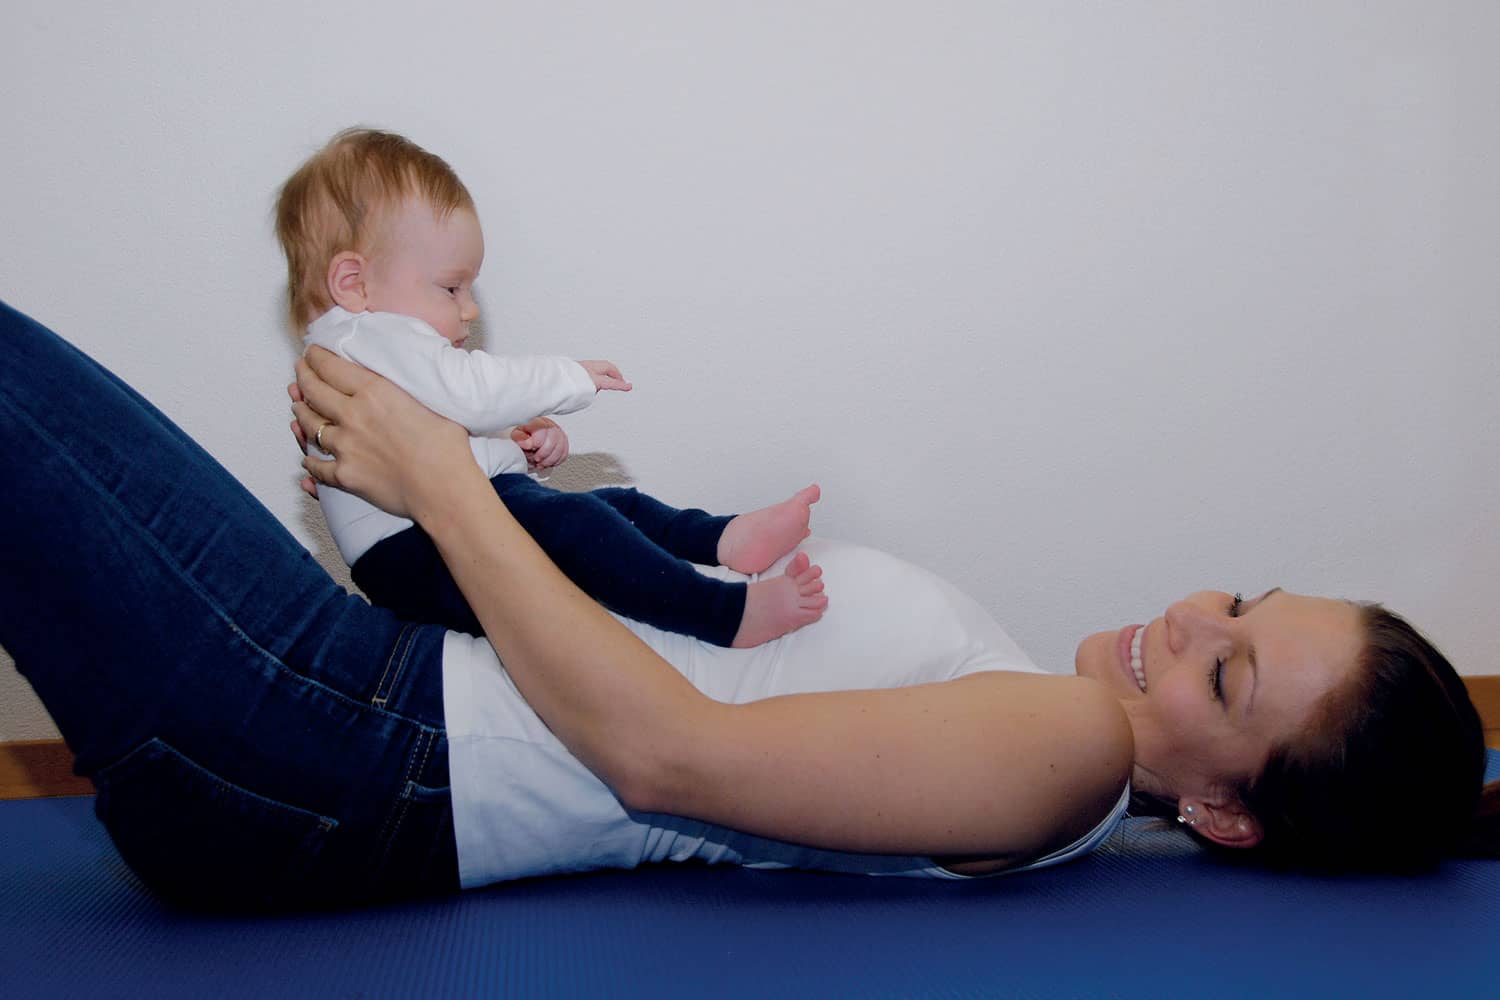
(1082, 305)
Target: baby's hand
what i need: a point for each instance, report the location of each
(605, 375)
(544, 443)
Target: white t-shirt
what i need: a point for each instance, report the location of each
(523, 805)
(487, 393)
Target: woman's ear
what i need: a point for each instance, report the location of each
(1226, 822)
(346, 281)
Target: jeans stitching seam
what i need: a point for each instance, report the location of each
(423, 750)
(398, 655)
(325, 823)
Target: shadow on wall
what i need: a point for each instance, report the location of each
(588, 471)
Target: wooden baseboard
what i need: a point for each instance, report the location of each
(35, 769)
(1485, 692)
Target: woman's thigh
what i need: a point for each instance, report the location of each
(226, 695)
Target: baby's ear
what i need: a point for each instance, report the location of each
(346, 281)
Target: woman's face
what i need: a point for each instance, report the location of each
(1220, 682)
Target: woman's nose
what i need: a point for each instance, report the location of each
(1188, 622)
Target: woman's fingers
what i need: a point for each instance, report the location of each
(326, 382)
(317, 394)
(318, 471)
(345, 376)
(308, 421)
(300, 437)
(386, 446)
(308, 485)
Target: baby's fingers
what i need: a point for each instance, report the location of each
(550, 453)
(606, 375)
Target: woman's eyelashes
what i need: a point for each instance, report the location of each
(1216, 675)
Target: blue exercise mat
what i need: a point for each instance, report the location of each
(1147, 915)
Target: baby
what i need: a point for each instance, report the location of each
(383, 246)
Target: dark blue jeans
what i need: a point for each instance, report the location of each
(258, 737)
(626, 550)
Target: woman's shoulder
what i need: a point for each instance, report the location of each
(1062, 758)
(1076, 718)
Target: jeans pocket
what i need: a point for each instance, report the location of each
(198, 839)
(421, 855)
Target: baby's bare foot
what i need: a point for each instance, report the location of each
(782, 604)
(752, 542)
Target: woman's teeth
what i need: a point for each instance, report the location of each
(1135, 657)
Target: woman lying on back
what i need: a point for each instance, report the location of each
(259, 737)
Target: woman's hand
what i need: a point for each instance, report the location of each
(309, 486)
(386, 447)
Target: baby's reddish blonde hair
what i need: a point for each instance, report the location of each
(339, 199)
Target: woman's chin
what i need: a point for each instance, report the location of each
(1078, 658)
(1092, 653)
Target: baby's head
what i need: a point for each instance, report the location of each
(373, 222)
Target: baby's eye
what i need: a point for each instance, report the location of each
(451, 290)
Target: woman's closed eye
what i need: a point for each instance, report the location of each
(1216, 675)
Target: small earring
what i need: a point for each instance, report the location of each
(1189, 816)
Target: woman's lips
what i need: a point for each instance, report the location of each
(1122, 649)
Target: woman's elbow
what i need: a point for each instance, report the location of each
(654, 776)
(640, 788)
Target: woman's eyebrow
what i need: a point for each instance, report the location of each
(1255, 602)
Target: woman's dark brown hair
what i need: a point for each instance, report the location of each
(1388, 773)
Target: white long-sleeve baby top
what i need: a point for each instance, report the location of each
(487, 393)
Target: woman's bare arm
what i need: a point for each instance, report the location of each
(994, 764)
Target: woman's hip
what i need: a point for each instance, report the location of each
(291, 793)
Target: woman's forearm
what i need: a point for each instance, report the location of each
(612, 700)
